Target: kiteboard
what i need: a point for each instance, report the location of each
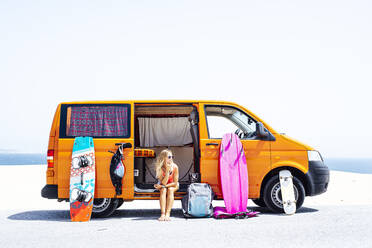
(82, 179)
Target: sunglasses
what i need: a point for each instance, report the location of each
(171, 157)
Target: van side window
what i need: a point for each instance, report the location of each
(224, 119)
(96, 120)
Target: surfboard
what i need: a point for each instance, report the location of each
(233, 174)
(82, 179)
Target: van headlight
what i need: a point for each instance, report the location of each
(314, 156)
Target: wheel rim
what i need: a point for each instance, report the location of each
(276, 195)
(100, 204)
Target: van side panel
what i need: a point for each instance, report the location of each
(63, 155)
(209, 169)
(51, 174)
(104, 187)
(285, 152)
(296, 159)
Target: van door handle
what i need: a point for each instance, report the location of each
(212, 144)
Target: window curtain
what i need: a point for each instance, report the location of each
(164, 131)
(99, 121)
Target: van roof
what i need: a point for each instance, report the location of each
(150, 101)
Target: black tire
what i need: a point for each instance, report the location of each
(104, 207)
(259, 202)
(120, 202)
(273, 197)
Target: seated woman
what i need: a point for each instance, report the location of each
(167, 174)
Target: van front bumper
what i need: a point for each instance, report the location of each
(317, 178)
(50, 191)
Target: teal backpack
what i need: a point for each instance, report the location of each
(197, 202)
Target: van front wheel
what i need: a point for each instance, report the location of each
(104, 207)
(259, 202)
(273, 195)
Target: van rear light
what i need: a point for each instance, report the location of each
(50, 158)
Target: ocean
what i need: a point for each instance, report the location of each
(22, 158)
(357, 165)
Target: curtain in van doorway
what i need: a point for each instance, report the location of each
(164, 131)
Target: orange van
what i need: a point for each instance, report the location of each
(193, 131)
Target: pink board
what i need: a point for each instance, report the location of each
(234, 174)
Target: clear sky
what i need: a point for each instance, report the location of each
(305, 67)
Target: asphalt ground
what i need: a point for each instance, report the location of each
(315, 226)
(341, 217)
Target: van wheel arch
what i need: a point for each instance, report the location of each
(294, 171)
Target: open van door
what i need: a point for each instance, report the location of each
(108, 124)
(222, 119)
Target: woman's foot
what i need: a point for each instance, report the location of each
(167, 217)
(162, 217)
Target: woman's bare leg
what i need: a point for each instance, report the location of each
(162, 200)
(170, 200)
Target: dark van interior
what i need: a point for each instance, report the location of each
(159, 127)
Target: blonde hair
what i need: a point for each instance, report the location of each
(160, 161)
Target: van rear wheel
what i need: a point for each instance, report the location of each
(273, 195)
(104, 207)
(121, 201)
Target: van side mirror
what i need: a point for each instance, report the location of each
(261, 132)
